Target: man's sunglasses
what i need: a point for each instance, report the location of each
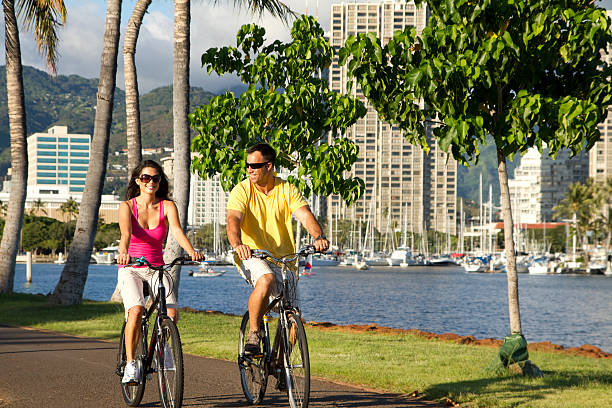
(145, 178)
(256, 165)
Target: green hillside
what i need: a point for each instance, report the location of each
(70, 101)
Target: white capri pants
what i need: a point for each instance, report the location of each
(131, 286)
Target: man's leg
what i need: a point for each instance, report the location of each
(259, 300)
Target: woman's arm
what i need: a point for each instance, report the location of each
(125, 226)
(177, 231)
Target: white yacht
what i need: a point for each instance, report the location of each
(401, 255)
(106, 255)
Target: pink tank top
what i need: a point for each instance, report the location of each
(148, 242)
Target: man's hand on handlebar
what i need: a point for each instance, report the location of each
(321, 244)
(243, 251)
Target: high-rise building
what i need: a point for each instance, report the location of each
(57, 158)
(540, 183)
(57, 169)
(400, 178)
(600, 156)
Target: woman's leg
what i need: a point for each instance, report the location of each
(132, 331)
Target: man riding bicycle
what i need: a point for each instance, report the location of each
(259, 213)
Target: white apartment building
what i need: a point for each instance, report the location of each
(57, 169)
(600, 156)
(540, 183)
(207, 200)
(399, 177)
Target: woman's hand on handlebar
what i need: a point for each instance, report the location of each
(243, 251)
(123, 259)
(196, 256)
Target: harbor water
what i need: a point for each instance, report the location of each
(570, 310)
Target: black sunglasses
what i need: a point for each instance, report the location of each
(145, 178)
(256, 165)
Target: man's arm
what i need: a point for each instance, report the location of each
(234, 219)
(308, 220)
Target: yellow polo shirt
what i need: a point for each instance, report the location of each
(266, 219)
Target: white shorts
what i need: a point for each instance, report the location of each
(253, 268)
(131, 285)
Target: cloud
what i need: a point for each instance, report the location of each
(211, 26)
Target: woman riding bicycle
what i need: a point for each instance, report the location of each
(144, 220)
(259, 217)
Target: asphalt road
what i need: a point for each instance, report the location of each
(40, 369)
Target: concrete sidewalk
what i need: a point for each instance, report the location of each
(52, 370)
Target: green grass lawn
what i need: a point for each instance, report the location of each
(387, 362)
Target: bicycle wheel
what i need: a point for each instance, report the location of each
(132, 393)
(297, 362)
(169, 363)
(253, 369)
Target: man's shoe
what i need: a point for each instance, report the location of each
(130, 373)
(252, 343)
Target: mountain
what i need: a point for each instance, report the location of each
(71, 100)
(468, 178)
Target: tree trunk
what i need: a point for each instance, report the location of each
(513, 295)
(19, 152)
(69, 289)
(180, 110)
(132, 104)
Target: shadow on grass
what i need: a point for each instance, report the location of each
(325, 398)
(521, 390)
(20, 309)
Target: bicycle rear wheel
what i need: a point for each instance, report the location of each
(169, 363)
(297, 362)
(132, 393)
(253, 369)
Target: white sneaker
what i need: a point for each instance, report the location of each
(130, 373)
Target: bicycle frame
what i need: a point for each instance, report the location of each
(285, 307)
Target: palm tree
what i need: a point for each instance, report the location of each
(43, 15)
(132, 106)
(581, 203)
(69, 289)
(180, 107)
(38, 207)
(70, 209)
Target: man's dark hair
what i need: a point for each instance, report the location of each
(266, 151)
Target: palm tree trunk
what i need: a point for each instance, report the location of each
(180, 110)
(69, 289)
(132, 106)
(513, 295)
(19, 155)
(132, 103)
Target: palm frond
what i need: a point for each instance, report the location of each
(44, 17)
(275, 7)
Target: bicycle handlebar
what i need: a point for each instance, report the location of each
(141, 261)
(304, 251)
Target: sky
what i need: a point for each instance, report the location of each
(212, 25)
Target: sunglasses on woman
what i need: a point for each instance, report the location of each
(145, 178)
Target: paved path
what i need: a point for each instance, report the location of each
(48, 370)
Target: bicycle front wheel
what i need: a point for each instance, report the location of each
(169, 363)
(132, 393)
(296, 362)
(253, 369)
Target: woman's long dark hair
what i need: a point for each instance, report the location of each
(133, 189)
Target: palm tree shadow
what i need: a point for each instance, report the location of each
(522, 389)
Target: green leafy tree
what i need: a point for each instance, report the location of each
(525, 72)
(287, 104)
(107, 234)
